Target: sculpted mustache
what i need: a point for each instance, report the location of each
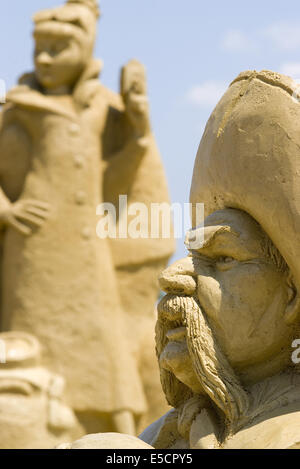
(172, 311)
(172, 308)
(209, 362)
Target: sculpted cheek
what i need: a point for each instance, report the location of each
(251, 311)
(210, 296)
(263, 284)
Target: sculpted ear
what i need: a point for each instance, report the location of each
(292, 312)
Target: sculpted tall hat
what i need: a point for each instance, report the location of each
(249, 158)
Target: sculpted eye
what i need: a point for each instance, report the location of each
(225, 262)
(60, 46)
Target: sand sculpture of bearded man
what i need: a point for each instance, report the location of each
(231, 313)
(227, 325)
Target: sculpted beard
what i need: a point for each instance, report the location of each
(215, 374)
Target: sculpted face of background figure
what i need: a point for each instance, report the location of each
(232, 310)
(58, 62)
(62, 53)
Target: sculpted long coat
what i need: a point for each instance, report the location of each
(59, 283)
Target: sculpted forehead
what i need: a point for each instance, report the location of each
(233, 230)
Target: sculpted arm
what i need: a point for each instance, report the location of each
(22, 215)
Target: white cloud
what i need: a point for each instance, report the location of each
(206, 94)
(237, 41)
(292, 69)
(285, 36)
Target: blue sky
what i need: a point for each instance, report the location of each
(192, 50)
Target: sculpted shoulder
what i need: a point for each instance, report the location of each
(163, 434)
(279, 429)
(150, 434)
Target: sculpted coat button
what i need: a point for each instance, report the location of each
(81, 197)
(79, 161)
(86, 233)
(74, 129)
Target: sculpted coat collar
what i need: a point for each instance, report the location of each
(273, 421)
(29, 94)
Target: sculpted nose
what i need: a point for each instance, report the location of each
(44, 58)
(179, 278)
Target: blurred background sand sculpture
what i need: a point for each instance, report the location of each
(32, 409)
(67, 144)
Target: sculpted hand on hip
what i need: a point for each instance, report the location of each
(24, 215)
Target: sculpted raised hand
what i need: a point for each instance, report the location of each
(134, 93)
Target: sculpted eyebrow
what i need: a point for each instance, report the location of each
(225, 240)
(213, 234)
(210, 234)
